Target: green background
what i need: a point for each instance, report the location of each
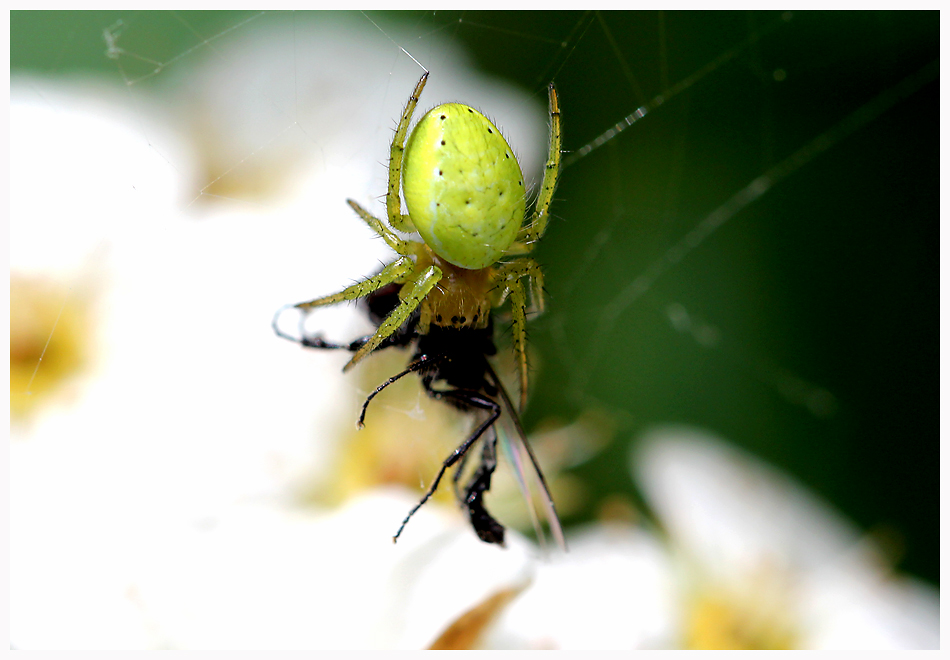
(830, 278)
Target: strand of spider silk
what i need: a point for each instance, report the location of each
(48, 340)
(675, 90)
(394, 41)
(743, 198)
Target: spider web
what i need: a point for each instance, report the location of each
(744, 233)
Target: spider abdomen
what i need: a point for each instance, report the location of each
(463, 186)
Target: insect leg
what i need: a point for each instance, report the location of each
(465, 399)
(320, 342)
(422, 363)
(457, 476)
(488, 529)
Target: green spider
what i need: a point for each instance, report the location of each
(465, 194)
(466, 198)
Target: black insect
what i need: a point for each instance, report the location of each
(453, 363)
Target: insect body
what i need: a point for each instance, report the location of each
(465, 194)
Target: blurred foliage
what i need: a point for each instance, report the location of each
(808, 323)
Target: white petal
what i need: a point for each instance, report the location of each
(738, 520)
(855, 606)
(613, 589)
(732, 511)
(269, 578)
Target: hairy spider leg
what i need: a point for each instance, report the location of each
(521, 268)
(534, 230)
(464, 399)
(397, 220)
(421, 286)
(397, 271)
(392, 240)
(509, 276)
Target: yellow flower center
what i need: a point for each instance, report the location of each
(48, 341)
(756, 616)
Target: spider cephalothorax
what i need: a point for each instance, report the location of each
(465, 196)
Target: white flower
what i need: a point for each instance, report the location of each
(766, 564)
(612, 590)
(273, 577)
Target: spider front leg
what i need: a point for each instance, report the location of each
(508, 277)
(420, 288)
(397, 271)
(534, 230)
(392, 240)
(393, 201)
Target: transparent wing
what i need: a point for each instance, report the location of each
(527, 470)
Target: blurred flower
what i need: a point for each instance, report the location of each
(277, 577)
(48, 328)
(612, 590)
(325, 91)
(765, 564)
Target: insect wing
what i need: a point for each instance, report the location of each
(527, 470)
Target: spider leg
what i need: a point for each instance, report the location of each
(463, 399)
(392, 240)
(517, 248)
(397, 220)
(518, 269)
(518, 336)
(509, 276)
(397, 271)
(534, 230)
(399, 338)
(421, 286)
